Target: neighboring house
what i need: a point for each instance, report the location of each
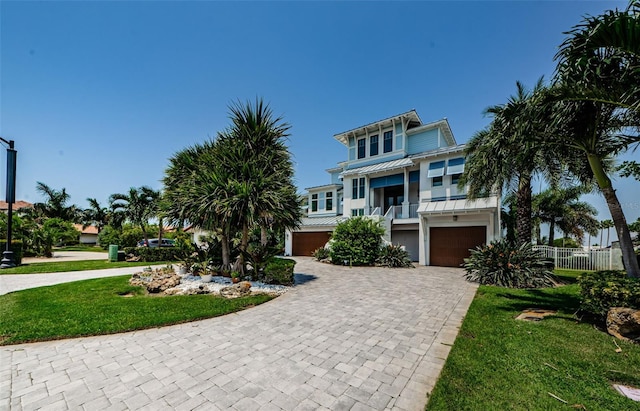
(4, 206)
(405, 174)
(88, 235)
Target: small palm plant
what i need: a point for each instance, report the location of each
(506, 265)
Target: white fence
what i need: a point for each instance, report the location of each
(579, 259)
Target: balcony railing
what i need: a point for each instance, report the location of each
(395, 212)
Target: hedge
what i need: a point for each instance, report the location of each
(279, 271)
(602, 290)
(153, 254)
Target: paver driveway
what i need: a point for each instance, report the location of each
(346, 338)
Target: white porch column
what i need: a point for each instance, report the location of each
(405, 203)
(367, 209)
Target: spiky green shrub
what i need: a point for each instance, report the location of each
(503, 264)
(356, 241)
(321, 253)
(394, 256)
(602, 290)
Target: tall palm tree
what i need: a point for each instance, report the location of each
(561, 208)
(95, 215)
(606, 225)
(55, 205)
(508, 153)
(137, 206)
(241, 180)
(598, 78)
(601, 57)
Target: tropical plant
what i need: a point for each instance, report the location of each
(137, 206)
(598, 85)
(55, 205)
(508, 154)
(356, 241)
(561, 208)
(566, 242)
(503, 264)
(605, 225)
(109, 235)
(602, 290)
(321, 253)
(95, 215)
(242, 180)
(394, 256)
(53, 231)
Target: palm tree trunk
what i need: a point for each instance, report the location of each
(523, 223)
(552, 232)
(601, 234)
(629, 258)
(264, 239)
(224, 242)
(159, 231)
(608, 230)
(244, 242)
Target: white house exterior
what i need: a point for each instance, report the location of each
(404, 173)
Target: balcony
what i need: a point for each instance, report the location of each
(395, 212)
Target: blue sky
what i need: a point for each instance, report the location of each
(98, 95)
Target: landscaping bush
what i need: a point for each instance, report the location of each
(602, 290)
(279, 271)
(356, 241)
(16, 247)
(505, 265)
(154, 254)
(321, 254)
(394, 256)
(108, 235)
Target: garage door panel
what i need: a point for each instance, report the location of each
(449, 246)
(304, 244)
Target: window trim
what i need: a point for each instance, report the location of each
(438, 180)
(314, 203)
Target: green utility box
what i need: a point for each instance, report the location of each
(113, 253)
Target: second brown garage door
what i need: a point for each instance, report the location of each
(449, 246)
(304, 244)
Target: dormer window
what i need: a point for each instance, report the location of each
(388, 141)
(314, 202)
(362, 148)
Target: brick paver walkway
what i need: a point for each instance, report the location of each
(344, 339)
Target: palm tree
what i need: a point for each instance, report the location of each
(95, 215)
(606, 225)
(55, 205)
(242, 179)
(601, 57)
(137, 206)
(509, 153)
(598, 78)
(561, 208)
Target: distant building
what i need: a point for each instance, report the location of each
(4, 206)
(88, 235)
(405, 174)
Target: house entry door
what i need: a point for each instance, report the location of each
(393, 196)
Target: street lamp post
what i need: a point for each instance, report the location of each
(8, 260)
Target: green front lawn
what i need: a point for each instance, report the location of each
(92, 248)
(498, 363)
(63, 266)
(102, 306)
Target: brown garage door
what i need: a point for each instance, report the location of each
(449, 246)
(304, 244)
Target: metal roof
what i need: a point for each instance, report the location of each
(379, 167)
(412, 115)
(329, 221)
(458, 206)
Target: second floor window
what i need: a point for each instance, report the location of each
(362, 148)
(388, 141)
(455, 178)
(314, 202)
(329, 200)
(373, 145)
(437, 182)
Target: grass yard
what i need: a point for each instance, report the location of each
(92, 248)
(498, 363)
(63, 266)
(102, 306)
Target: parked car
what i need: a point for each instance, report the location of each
(153, 242)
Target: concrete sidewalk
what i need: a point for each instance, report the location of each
(343, 339)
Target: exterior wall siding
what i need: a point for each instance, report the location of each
(421, 142)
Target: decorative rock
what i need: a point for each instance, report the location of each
(624, 323)
(155, 282)
(237, 290)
